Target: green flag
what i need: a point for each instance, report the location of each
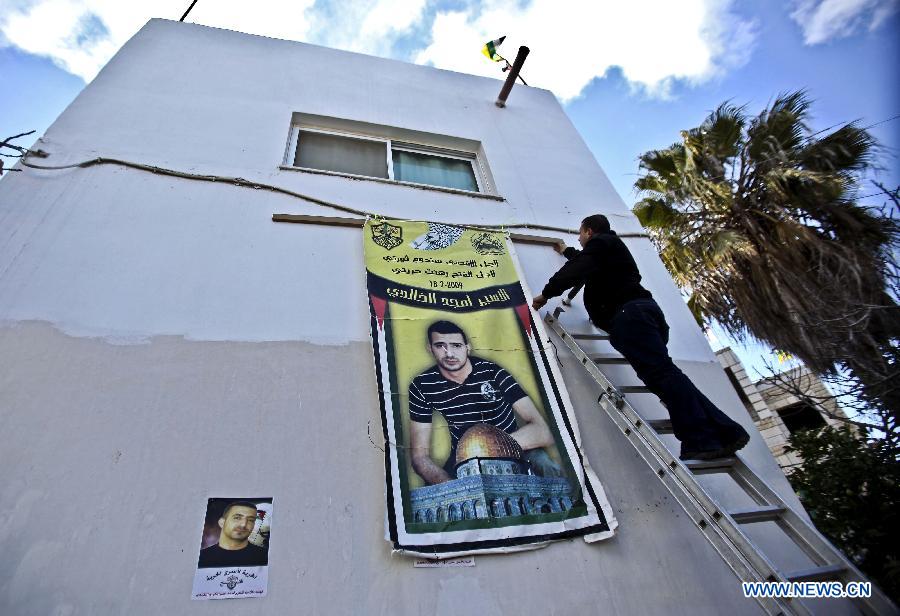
(490, 49)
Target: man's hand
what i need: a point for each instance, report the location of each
(533, 431)
(559, 247)
(543, 464)
(420, 445)
(538, 302)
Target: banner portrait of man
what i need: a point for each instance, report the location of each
(484, 455)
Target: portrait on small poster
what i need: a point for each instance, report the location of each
(482, 448)
(233, 562)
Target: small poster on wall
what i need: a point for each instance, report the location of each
(234, 549)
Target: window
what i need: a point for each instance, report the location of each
(800, 416)
(424, 168)
(341, 154)
(385, 158)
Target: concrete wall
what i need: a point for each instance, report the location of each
(162, 341)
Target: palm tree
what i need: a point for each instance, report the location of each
(756, 220)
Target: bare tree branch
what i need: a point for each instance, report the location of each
(6, 143)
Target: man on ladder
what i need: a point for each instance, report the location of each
(617, 303)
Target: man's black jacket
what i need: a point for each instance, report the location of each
(608, 272)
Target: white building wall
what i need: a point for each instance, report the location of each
(163, 341)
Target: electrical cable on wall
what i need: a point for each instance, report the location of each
(277, 189)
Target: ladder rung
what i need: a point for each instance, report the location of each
(633, 389)
(747, 560)
(816, 574)
(705, 467)
(590, 336)
(605, 358)
(767, 513)
(661, 426)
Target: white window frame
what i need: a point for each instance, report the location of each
(414, 148)
(472, 158)
(291, 152)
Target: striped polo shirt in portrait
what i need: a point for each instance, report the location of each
(486, 396)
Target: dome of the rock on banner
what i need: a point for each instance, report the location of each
(486, 441)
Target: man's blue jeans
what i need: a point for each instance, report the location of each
(640, 333)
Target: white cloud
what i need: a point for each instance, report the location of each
(822, 20)
(386, 20)
(284, 19)
(82, 35)
(57, 29)
(654, 42)
(365, 26)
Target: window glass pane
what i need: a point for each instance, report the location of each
(434, 170)
(342, 154)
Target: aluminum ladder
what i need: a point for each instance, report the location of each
(720, 527)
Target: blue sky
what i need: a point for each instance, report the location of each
(631, 75)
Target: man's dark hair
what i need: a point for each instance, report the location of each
(445, 327)
(237, 504)
(598, 223)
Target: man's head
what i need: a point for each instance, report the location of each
(449, 345)
(590, 226)
(237, 521)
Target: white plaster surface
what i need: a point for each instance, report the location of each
(111, 451)
(162, 341)
(127, 255)
(171, 256)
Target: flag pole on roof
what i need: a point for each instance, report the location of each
(490, 50)
(511, 78)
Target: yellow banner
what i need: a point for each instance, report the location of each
(482, 452)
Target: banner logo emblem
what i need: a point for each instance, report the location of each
(487, 244)
(386, 235)
(231, 582)
(489, 393)
(438, 237)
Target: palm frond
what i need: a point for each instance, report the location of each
(756, 218)
(723, 131)
(776, 134)
(656, 213)
(849, 148)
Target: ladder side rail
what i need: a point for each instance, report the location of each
(752, 485)
(877, 604)
(807, 538)
(728, 540)
(816, 546)
(667, 463)
(798, 529)
(709, 526)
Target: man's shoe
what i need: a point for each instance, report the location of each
(731, 446)
(704, 454)
(739, 442)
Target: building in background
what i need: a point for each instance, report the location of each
(778, 413)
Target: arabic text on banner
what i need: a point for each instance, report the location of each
(482, 448)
